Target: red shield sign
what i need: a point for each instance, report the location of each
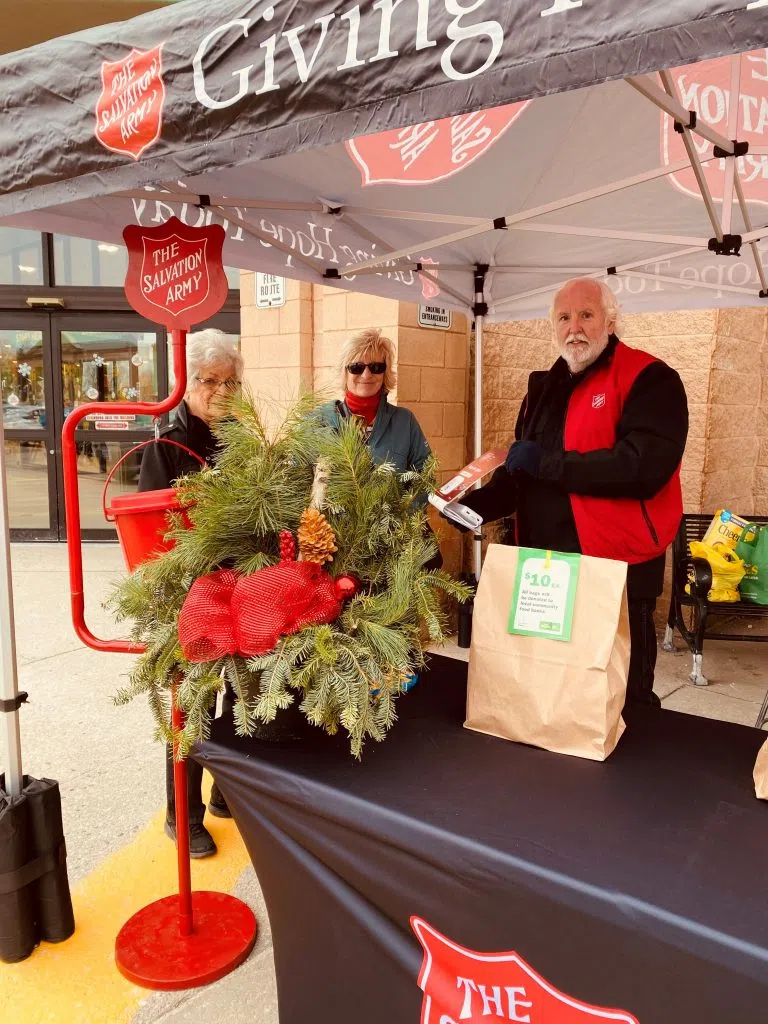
(706, 88)
(432, 151)
(129, 112)
(429, 289)
(461, 985)
(175, 274)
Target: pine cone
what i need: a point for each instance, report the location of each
(317, 541)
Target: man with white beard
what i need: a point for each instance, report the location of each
(595, 467)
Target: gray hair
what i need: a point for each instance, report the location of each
(611, 306)
(212, 346)
(362, 347)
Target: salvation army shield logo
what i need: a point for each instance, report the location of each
(175, 274)
(429, 289)
(461, 985)
(433, 151)
(706, 88)
(129, 112)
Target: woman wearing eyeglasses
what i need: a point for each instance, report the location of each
(214, 371)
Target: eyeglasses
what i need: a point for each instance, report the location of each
(212, 384)
(357, 368)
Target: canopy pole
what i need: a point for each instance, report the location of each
(480, 310)
(8, 673)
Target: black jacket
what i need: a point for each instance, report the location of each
(650, 440)
(162, 464)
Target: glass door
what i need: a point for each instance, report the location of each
(29, 423)
(115, 358)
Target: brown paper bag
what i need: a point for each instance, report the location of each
(562, 696)
(760, 773)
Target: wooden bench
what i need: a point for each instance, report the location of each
(699, 610)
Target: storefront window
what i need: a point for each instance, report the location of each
(21, 379)
(95, 459)
(21, 257)
(85, 263)
(26, 469)
(109, 366)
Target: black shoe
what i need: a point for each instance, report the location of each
(217, 805)
(201, 842)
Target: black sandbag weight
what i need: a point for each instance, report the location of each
(35, 902)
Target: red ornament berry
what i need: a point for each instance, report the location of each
(287, 546)
(346, 587)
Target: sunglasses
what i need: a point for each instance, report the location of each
(376, 368)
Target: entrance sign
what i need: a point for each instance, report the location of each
(435, 316)
(107, 417)
(175, 273)
(270, 291)
(544, 595)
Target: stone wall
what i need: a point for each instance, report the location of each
(684, 340)
(734, 471)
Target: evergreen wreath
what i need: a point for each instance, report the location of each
(361, 519)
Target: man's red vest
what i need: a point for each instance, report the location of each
(622, 528)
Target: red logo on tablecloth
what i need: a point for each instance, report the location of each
(461, 985)
(129, 112)
(175, 274)
(432, 151)
(706, 89)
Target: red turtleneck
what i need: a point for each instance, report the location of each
(366, 408)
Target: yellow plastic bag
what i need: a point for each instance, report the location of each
(727, 570)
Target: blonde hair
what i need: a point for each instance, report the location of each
(364, 347)
(611, 306)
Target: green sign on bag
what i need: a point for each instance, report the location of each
(544, 594)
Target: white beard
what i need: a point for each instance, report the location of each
(580, 357)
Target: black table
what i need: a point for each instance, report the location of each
(638, 883)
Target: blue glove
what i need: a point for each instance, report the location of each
(524, 455)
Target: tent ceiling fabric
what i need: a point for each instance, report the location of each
(392, 148)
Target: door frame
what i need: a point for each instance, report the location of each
(36, 320)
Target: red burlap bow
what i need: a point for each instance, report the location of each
(229, 614)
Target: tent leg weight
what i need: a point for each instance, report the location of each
(35, 902)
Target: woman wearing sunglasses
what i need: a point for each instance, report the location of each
(367, 376)
(392, 433)
(214, 372)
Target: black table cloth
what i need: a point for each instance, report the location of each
(637, 884)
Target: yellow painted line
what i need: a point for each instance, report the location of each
(77, 982)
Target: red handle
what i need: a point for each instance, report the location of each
(121, 460)
(72, 492)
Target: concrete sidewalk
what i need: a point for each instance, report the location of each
(112, 781)
(111, 776)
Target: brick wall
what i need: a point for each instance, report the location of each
(296, 347)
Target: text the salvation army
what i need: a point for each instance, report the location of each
(179, 274)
